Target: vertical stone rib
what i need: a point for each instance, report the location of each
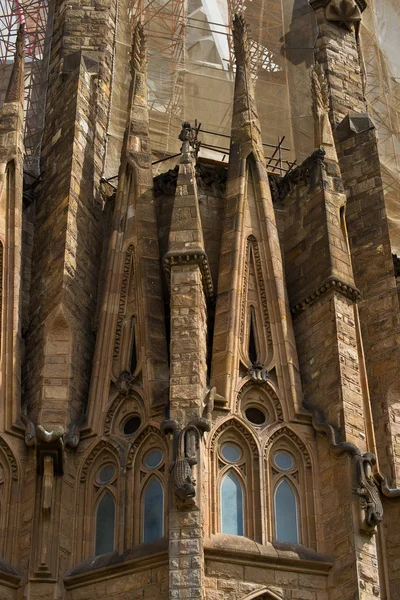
(246, 149)
(11, 183)
(134, 224)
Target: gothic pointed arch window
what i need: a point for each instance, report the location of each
(97, 510)
(105, 510)
(289, 489)
(148, 484)
(235, 484)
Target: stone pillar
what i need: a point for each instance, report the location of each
(337, 52)
(11, 183)
(369, 241)
(68, 223)
(190, 281)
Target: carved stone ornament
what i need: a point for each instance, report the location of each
(367, 487)
(187, 441)
(368, 491)
(258, 373)
(190, 144)
(344, 12)
(301, 175)
(125, 382)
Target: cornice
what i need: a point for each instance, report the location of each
(331, 283)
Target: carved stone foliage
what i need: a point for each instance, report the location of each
(301, 175)
(123, 299)
(211, 178)
(286, 431)
(138, 56)
(165, 184)
(269, 393)
(100, 447)
(343, 12)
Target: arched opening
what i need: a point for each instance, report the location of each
(105, 525)
(153, 511)
(285, 505)
(231, 505)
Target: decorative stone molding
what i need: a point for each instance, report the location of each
(10, 458)
(123, 299)
(199, 258)
(301, 175)
(149, 430)
(331, 283)
(286, 431)
(252, 244)
(269, 391)
(258, 373)
(102, 446)
(234, 423)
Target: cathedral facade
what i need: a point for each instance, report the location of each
(200, 393)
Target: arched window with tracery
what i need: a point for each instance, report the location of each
(105, 510)
(148, 485)
(235, 483)
(97, 510)
(290, 499)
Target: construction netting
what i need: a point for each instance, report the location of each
(191, 76)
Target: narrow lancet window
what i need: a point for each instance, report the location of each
(231, 505)
(286, 526)
(253, 354)
(153, 511)
(105, 525)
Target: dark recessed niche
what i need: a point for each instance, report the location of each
(131, 425)
(255, 415)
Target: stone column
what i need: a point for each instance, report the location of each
(190, 283)
(11, 183)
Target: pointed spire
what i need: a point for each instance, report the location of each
(15, 90)
(245, 123)
(185, 242)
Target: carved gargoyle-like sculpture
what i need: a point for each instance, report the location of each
(183, 481)
(366, 487)
(186, 446)
(258, 372)
(368, 491)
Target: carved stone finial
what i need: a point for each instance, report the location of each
(139, 56)
(125, 382)
(241, 40)
(16, 83)
(344, 12)
(190, 145)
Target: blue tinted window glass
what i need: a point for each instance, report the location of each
(230, 452)
(153, 518)
(153, 459)
(286, 513)
(105, 525)
(283, 461)
(231, 505)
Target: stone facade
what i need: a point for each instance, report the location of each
(199, 372)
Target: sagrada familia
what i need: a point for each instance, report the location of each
(200, 376)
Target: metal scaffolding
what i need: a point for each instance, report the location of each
(34, 14)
